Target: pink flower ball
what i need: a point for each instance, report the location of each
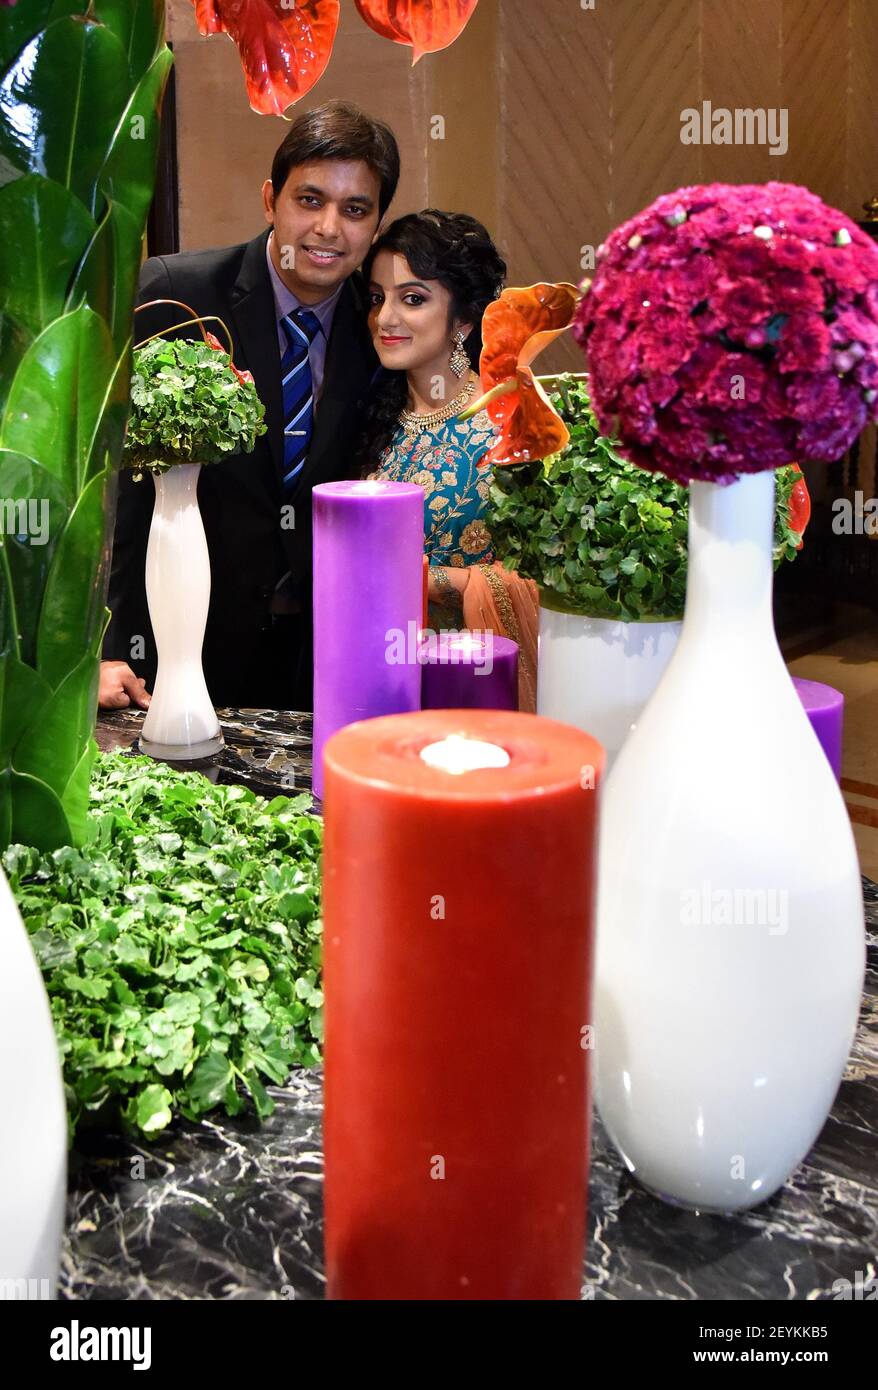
(731, 328)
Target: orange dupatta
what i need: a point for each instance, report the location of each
(498, 600)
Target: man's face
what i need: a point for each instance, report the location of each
(325, 219)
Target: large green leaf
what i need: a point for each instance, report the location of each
(34, 507)
(109, 435)
(9, 641)
(58, 394)
(44, 231)
(37, 814)
(129, 174)
(80, 89)
(14, 343)
(5, 806)
(73, 604)
(19, 25)
(104, 279)
(51, 748)
(75, 798)
(139, 26)
(60, 103)
(23, 693)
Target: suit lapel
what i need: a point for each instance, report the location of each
(253, 310)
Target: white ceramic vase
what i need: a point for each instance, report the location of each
(181, 722)
(33, 1152)
(598, 674)
(731, 944)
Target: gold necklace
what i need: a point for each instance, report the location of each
(415, 424)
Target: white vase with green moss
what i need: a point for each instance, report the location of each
(598, 673)
(606, 542)
(190, 408)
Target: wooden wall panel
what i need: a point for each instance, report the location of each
(556, 180)
(861, 137)
(462, 86)
(814, 80)
(557, 122)
(655, 55)
(741, 67)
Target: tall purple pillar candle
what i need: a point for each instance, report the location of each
(825, 709)
(368, 595)
(469, 670)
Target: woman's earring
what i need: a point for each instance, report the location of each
(459, 362)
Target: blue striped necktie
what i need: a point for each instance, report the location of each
(301, 327)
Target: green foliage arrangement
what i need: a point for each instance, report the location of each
(600, 536)
(180, 947)
(189, 405)
(81, 84)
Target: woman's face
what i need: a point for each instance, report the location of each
(410, 319)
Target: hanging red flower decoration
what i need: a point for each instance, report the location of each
(427, 25)
(283, 51)
(515, 330)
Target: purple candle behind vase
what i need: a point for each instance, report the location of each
(469, 670)
(825, 709)
(368, 595)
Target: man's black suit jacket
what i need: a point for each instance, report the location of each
(250, 658)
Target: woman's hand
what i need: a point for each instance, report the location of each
(446, 585)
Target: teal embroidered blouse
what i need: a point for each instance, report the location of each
(448, 462)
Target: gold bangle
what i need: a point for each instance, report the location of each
(447, 592)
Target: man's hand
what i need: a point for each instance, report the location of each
(120, 688)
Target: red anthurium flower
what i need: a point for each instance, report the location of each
(212, 341)
(207, 16)
(427, 25)
(800, 506)
(283, 50)
(515, 330)
(245, 378)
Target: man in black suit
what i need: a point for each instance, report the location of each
(297, 311)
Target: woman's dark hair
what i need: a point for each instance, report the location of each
(339, 130)
(456, 250)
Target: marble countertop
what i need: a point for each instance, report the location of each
(267, 750)
(229, 1209)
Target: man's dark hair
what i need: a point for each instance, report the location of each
(340, 130)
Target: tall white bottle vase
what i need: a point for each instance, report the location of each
(33, 1128)
(598, 673)
(731, 942)
(181, 722)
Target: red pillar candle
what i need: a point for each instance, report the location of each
(457, 913)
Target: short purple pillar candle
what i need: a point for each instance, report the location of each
(469, 670)
(368, 600)
(825, 709)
